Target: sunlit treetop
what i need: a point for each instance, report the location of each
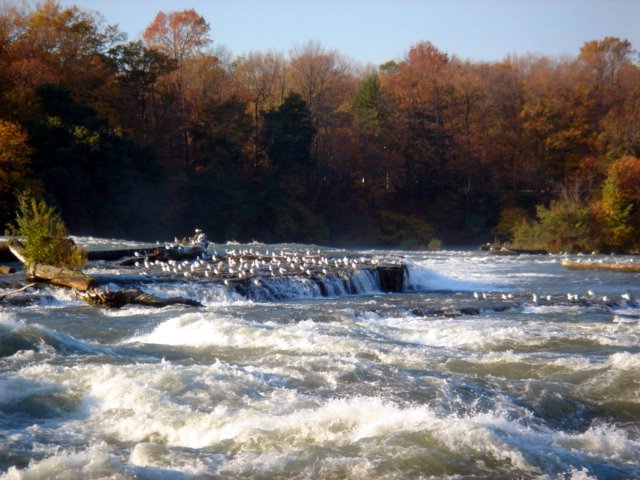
(180, 35)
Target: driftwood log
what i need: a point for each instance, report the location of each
(13, 292)
(516, 251)
(607, 266)
(61, 276)
(84, 285)
(135, 296)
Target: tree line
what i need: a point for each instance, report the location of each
(153, 137)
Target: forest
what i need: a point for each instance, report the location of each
(150, 138)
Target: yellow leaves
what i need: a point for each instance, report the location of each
(603, 59)
(87, 137)
(627, 172)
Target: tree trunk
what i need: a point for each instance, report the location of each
(61, 276)
(16, 248)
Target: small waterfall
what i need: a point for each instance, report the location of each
(268, 289)
(359, 282)
(365, 281)
(333, 286)
(264, 288)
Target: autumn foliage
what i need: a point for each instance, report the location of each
(153, 137)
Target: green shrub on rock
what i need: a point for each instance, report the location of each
(44, 234)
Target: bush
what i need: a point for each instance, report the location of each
(566, 226)
(510, 219)
(435, 244)
(44, 235)
(405, 231)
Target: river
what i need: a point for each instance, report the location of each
(483, 367)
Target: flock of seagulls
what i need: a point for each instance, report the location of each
(254, 265)
(589, 298)
(243, 264)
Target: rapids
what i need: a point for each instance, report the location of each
(484, 367)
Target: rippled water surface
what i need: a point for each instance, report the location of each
(465, 374)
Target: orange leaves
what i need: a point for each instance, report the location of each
(416, 79)
(426, 56)
(603, 59)
(178, 34)
(14, 156)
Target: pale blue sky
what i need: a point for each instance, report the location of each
(375, 31)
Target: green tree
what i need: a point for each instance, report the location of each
(368, 105)
(103, 183)
(138, 70)
(42, 229)
(215, 194)
(288, 136)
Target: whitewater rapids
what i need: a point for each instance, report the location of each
(462, 375)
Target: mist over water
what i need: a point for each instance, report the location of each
(464, 375)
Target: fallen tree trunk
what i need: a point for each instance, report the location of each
(516, 251)
(61, 276)
(84, 284)
(607, 266)
(16, 248)
(135, 296)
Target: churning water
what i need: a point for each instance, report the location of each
(464, 375)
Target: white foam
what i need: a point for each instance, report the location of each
(132, 407)
(211, 329)
(425, 279)
(161, 462)
(574, 474)
(209, 294)
(447, 332)
(603, 441)
(625, 361)
(159, 407)
(8, 320)
(549, 309)
(14, 388)
(94, 243)
(94, 462)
